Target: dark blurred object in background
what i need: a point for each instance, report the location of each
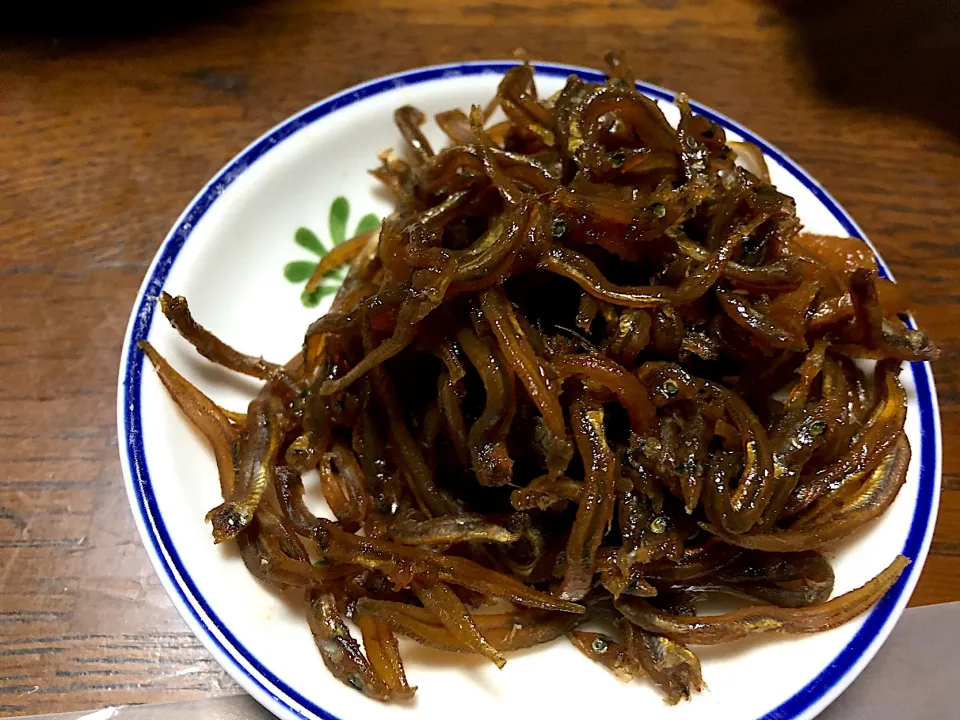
(65, 20)
(896, 56)
(900, 56)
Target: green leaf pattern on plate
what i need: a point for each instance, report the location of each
(339, 214)
(299, 271)
(308, 240)
(367, 222)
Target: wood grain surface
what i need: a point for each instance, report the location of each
(108, 126)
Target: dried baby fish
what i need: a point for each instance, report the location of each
(590, 368)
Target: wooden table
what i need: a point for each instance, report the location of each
(104, 139)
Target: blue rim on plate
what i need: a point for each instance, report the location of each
(258, 680)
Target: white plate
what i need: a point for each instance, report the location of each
(227, 253)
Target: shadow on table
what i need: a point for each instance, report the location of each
(898, 56)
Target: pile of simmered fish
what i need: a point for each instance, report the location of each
(590, 369)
